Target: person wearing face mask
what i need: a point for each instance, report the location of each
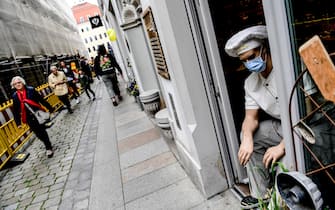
(261, 141)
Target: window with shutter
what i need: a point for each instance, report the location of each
(155, 44)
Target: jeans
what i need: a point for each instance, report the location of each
(66, 101)
(87, 89)
(39, 131)
(111, 83)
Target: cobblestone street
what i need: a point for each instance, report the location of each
(105, 158)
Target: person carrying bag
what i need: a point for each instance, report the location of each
(24, 97)
(41, 115)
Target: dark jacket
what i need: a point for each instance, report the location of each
(98, 70)
(84, 81)
(68, 73)
(32, 94)
(85, 67)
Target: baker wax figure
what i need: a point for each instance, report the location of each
(261, 141)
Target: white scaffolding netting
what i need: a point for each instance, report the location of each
(38, 27)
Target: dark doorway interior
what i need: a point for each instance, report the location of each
(229, 17)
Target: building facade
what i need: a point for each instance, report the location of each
(33, 28)
(33, 35)
(92, 37)
(202, 87)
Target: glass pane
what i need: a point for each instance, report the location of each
(309, 18)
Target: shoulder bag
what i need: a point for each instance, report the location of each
(41, 116)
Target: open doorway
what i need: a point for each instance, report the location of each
(229, 17)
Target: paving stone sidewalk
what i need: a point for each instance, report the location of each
(39, 182)
(106, 158)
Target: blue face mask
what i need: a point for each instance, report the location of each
(255, 65)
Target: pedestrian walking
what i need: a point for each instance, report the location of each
(105, 65)
(27, 95)
(85, 67)
(71, 80)
(57, 81)
(91, 63)
(86, 84)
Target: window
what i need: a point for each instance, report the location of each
(100, 36)
(105, 35)
(91, 39)
(87, 28)
(93, 48)
(82, 30)
(309, 18)
(89, 50)
(155, 43)
(95, 37)
(81, 19)
(86, 41)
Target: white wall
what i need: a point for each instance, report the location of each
(196, 139)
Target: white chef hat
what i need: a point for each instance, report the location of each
(245, 40)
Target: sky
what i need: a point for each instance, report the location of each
(73, 2)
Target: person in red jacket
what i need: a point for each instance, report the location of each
(27, 94)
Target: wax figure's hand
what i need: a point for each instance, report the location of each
(245, 151)
(249, 125)
(273, 154)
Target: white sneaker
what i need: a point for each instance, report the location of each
(50, 153)
(77, 101)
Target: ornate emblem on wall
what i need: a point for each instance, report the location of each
(95, 21)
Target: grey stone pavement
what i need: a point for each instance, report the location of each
(106, 158)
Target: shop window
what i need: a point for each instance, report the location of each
(155, 44)
(309, 18)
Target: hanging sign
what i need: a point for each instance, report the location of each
(95, 21)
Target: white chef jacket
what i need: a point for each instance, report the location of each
(261, 93)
